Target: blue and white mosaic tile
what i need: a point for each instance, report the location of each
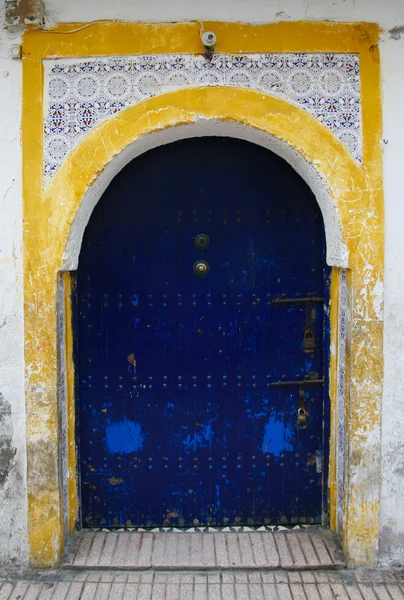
(79, 94)
(230, 529)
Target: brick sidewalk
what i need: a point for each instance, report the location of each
(275, 585)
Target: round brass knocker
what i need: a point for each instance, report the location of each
(201, 268)
(202, 241)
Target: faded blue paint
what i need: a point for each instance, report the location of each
(278, 436)
(201, 439)
(124, 437)
(195, 431)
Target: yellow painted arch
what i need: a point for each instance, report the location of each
(49, 216)
(268, 114)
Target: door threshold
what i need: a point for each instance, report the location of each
(312, 548)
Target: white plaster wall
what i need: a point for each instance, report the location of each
(392, 491)
(390, 15)
(388, 12)
(13, 501)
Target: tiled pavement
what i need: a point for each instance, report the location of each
(312, 548)
(287, 565)
(275, 585)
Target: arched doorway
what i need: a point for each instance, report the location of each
(202, 342)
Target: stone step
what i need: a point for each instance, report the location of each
(304, 549)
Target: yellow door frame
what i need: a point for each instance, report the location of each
(49, 214)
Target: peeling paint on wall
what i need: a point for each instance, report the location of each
(7, 450)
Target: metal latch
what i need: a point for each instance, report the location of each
(302, 412)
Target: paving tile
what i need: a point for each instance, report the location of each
(5, 591)
(381, 592)
(255, 591)
(171, 548)
(108, 549)
(222, 559)
(233, 549)
(187, 591)
(321, 549)
(241, 591)
(119, 556)
(74, 591)
(308, 549)
(267, 577)
(298, 558)
(173, 591)
(20, 589)
(354, 592)
(61, 590)
(395, 592)
(130, 591)
(145, 550)
(308, 577)
(283, 591)
(325, 591)
(270, 592)
(103, 590)
(214, 591)
(320, 577)
(270, 549)
(132, 553)
(294, 578)
(285, 557)
(183, 549)
(247, 557)
(228, 592)
(144, 592)
(258, 548)
(158, 557)
(311, 591)
(367, 592)
(117, 590)
(95, 553)
(200, 591)
(334, 549)
(158, 592)
(107, 578)
(83, 550)
(94, 577)
(298, 592)
(88, 591)
(33, 591)
(196, 550)
(339, 591)
(281, 577)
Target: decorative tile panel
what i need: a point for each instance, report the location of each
(79, 94)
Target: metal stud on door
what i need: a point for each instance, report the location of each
(200, 357)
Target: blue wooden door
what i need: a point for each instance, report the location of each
(201, 353)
